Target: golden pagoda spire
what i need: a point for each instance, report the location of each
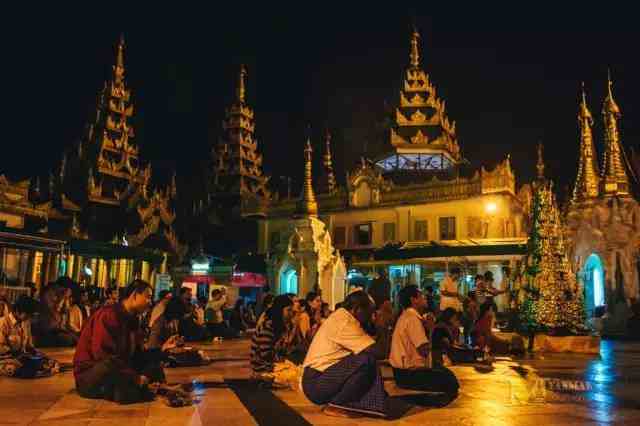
(328, 164)
(118, 68)
(414, 56)
(307, 206)
(240, 91)
(540, 163)
(586, 185)
(614, 175)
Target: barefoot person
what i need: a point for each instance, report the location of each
(340, 368)
(109, 362)
(411, 349)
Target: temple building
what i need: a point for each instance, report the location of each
(413, 211)
(603, 216)
(100, 202)
(223, 219)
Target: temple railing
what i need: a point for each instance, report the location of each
(441, 192)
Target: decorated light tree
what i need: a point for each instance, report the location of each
(554, 302)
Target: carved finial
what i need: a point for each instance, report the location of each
(63, 167)
(610, 106)
(240, 91)
(414, 56)
(118, 68)
(174, 187)
(307, 205)
(52, 185)
(328, 164)
(540, 163)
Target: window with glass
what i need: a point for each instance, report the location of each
(389, 230)
(448, 228)
(362, 234)
(421, 231)
(339, 236)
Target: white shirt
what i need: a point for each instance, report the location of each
(339, 336)
(408, 335)
(451, 286)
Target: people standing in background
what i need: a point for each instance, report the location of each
(449, 295)
(80, 310)
(214, 316)
(380, 289)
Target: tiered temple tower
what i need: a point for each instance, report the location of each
(238, 165)
(587, 180)
(109, 181)
(602, 218)
(614, 173)
(330, 183)
(115, 166)
(423, 137)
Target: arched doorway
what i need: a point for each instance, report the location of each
(288, 280)
(593, 283)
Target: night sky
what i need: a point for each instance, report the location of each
(510, 78)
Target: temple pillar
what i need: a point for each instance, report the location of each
(145, 271)
(70, 263)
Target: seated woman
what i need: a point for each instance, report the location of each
(18, 357)
(52, 328)
(445, 342)
(483, 336)
(236, 322)
(165, 338)
(79, 311)
(268, 345)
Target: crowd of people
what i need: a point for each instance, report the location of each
(337, 353)
(123, 341)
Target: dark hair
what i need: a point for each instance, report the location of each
(488, 275)
(484, 308)
(137, 286)
(175, 310)
(65, 282)
(471, 294)
(447, 315)
(268, 300)
(305, 306)
(429, 288)
(239, 303)
(479, 277)
(455, 271)
(26, 305)
(183, 290)
(215, 292)
(311, 296)
(202, 299)
(405, 295)
(357, 299)
(274, 313)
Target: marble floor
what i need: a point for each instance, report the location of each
(557, 389)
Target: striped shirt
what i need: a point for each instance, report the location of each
(263, 351)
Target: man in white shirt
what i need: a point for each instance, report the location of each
(411, 350)
(340, 368)
(449, 296)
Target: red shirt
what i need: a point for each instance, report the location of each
(109, 333)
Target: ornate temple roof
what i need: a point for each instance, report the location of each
(237, 163)
(422, 137)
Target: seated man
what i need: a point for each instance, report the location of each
(109, 361)
(410, 349)
(164, 337)
(340, 368)
(18, 357)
